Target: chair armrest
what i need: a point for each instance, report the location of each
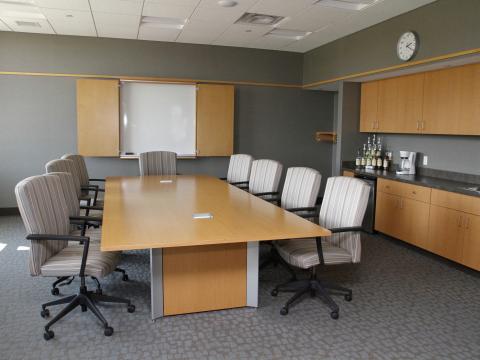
(86, 218)
(91, 207)
(83, 240)
(236, 183)
(223, 178)
(305, 212)
(93, 188)
(346, 229)
(311, 208)
(97, 180)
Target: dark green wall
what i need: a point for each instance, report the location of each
(444, 26)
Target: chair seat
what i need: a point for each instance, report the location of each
(303, 253)
(95, 234)
(67, 262)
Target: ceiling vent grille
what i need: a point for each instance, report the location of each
(28, 23)
(259, 19)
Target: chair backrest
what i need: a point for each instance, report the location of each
(158, 163)
(344, 204)
(301, 187)
(68, 166)
(44, 210)
(239, 168)
(69, 192)
(264, 176)
(79, 163)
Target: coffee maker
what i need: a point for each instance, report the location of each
(407, 163)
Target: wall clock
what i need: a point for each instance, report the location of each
(407, 46)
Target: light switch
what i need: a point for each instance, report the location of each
(425, 160)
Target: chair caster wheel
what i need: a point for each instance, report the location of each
(55, 291)
(334, 315)
(99, 292)
(274, 292)
(125, 277)
(284, 311)
(131, 308)
(45, 313)
(348, 297)
(48, 334)
(108, 331)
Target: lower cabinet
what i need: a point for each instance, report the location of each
(447, 224)
(402, 218)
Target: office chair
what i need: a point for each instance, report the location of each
(65, 165)
(85, 180)
(342, 211)
(44, 212)
(80, 225)
(299, 194)
(264, 179)
(158, 163)
(239, 170)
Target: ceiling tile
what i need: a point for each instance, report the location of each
(242, 35)
(315, 17)
(127, 7)
(43, 26)
(280, 7)
(241, 4)
(195, 37)
(4, 27)
(270, 42)
(167, 10)
(64, 4)
(157, 34)
(175, 2)
(71, 22)
(116, 25)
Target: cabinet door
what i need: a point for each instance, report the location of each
(215, 109)
(387, 213)
(98, 117)
(413, 222)
(471, 243)
(368, 107)
(452, 101)
(400, 102)
(446, 233)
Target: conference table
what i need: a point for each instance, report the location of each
(203, 235)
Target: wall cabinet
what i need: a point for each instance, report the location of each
(444, 101)
(445, 223)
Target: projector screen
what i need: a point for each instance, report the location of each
(157, 117)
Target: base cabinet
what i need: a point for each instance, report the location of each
(471, 242)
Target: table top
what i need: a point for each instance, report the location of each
(157, 212)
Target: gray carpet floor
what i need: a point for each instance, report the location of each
(407, 304)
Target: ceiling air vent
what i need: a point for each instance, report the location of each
(258, 19)
(28, 23)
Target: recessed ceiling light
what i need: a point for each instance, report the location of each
(227, 3)
(163, 22)
(288, 34)
(355, 5)
(69, 15)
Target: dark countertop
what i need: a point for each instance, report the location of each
(417, 179)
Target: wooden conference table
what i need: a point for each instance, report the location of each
(196, 264)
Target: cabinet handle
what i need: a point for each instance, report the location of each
(423, 125)
(401, 203)
(373, 125)
(459, 221)
(418, 125)
(467, 223)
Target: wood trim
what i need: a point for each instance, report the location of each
(394, 67)
(153, 79)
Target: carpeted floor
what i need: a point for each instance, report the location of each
(407, 304)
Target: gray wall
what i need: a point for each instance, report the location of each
(86, 55)
(38, 118)
(444, 26)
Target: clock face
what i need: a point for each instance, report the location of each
(407, 46)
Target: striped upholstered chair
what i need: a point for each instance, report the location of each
(299, 196)
(342, 212)
(45, 214)
(158, 163)
(84, 179)
(239, 169)
(265, 178)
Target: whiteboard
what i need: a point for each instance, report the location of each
(157, 117)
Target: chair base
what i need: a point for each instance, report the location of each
(86, 300)
(314, 287)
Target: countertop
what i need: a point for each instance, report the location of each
(421, 180)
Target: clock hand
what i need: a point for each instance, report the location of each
(408, 46)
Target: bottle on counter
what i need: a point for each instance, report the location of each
(358, 159)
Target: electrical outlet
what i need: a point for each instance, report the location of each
(425, 160)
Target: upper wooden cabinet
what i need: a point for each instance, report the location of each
(368, 107)
(215, 113)
(98, 114)
(438, 102)
(452, 101)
